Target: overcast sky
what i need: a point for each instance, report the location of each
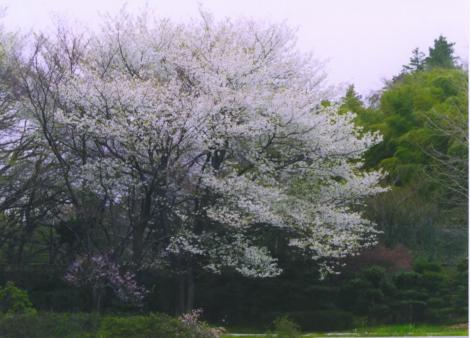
(364, 41)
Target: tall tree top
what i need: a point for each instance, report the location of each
(351, 101)
(416, 63)
(441, 54)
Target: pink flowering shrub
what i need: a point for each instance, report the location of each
(99, 272)
(198, 328)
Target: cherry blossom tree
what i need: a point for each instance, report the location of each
(98, 273)
(177, 142)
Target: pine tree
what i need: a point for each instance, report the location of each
(416, 63)
(351, 101)
(441, 54)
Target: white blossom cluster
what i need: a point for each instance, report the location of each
(220, 125)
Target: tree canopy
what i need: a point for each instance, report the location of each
(169, 146)
(423, 117)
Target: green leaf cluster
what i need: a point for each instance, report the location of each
(14, 300)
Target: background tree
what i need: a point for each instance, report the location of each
(417, 61)
(25, 202)
(441, 54)
(423, 116)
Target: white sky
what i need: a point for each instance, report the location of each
(365, 41)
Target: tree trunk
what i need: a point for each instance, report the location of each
(185, 295)
(180, 302)
(139, 228)
(96, 298)
(190, 290)
(137, 243)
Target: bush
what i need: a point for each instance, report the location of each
(14, 300)
(199, 329)
(151, 326)
(286, 328)
(59, 300)
(374, 275)
(48, 325)
(421, 266)
(80, 325)
(407, 280)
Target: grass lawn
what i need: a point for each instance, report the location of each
(415, 330)
(390, 330)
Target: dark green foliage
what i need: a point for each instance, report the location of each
(429, 293)
(422, 266)
(423, 117)
(441, 54)
(49, 325)
(366, 292)
(80, 325)
(47, 288)
(372, 296)
(323, 320)
(460, 288)
(417, 61)
(407, 280)
(405, 297)
(151, 326)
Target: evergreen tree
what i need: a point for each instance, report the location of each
(441, 54)
(367, 118)
(416, 62)
(351, 101)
